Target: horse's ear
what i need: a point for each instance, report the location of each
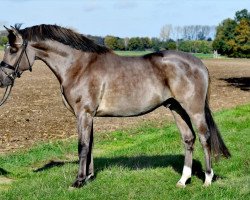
(15, 32)
(8, 29)
(13, 36)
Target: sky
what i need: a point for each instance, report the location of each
(122, 18)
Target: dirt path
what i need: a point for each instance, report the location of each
(35, 111)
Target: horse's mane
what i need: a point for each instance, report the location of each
(60, 34)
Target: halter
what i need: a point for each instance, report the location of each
(16, 72)
(15, 67)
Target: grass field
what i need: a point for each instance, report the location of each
(132, 53)
(139, 163)
(141, 53)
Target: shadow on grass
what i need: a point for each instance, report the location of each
(243, 82)
(136, 163)
(3, 172)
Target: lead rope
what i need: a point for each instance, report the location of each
(6, 94)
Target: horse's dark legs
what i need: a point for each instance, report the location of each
(85, 140)
(90, 160)
(188, 136)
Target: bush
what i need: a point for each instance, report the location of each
(156, 44)
(196, 46)
(3, 40)
(135, 44)
(169, 45)
(114, 43)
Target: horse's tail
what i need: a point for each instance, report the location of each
(216, 143)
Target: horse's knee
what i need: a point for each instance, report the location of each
(83, 149)
(204, 138)
(189, 142)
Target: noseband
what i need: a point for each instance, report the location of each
(15, 73)
(15, 67)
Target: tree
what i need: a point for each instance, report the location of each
(233, 36)
(242, 14)
(189, 32)
(136, 44)
(242, 39)
(114, 43)
(185, 45)
(196, 32)
(203, 32)
(165, 32)
(196, 46)
(111, 42)
(121, 44)
(169, 45)
(126, 40)
(177, 34)
(224, 39)
(97, 39)
(156, 43)
(146, 42)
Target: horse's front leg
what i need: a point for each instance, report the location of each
(85, 139)
(90, 160)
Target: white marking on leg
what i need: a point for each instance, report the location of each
(186, 174)
(209, 178)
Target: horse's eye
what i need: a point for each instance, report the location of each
(13, 50)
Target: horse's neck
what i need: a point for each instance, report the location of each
(58, 57)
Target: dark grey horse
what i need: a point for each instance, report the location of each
(96, 82)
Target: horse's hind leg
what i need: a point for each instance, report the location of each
(204, 135)
(188, 136)
(196, 112)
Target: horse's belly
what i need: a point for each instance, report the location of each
(128, 106)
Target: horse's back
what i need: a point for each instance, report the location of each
(186, 76)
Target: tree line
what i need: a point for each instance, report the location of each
(232, 38)
(145, 43)
(156, 44)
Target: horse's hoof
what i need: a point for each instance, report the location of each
(71, 188)
(78, 183)
(89, 178)
(180, 185)
(206, 184)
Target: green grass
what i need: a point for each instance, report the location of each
(141, 53)
(132, 53)
(203, 55)
(139, 163)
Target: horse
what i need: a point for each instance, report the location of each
(95, 82)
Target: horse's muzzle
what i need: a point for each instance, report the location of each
(5, 80)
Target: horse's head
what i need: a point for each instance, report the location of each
(18, 57)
